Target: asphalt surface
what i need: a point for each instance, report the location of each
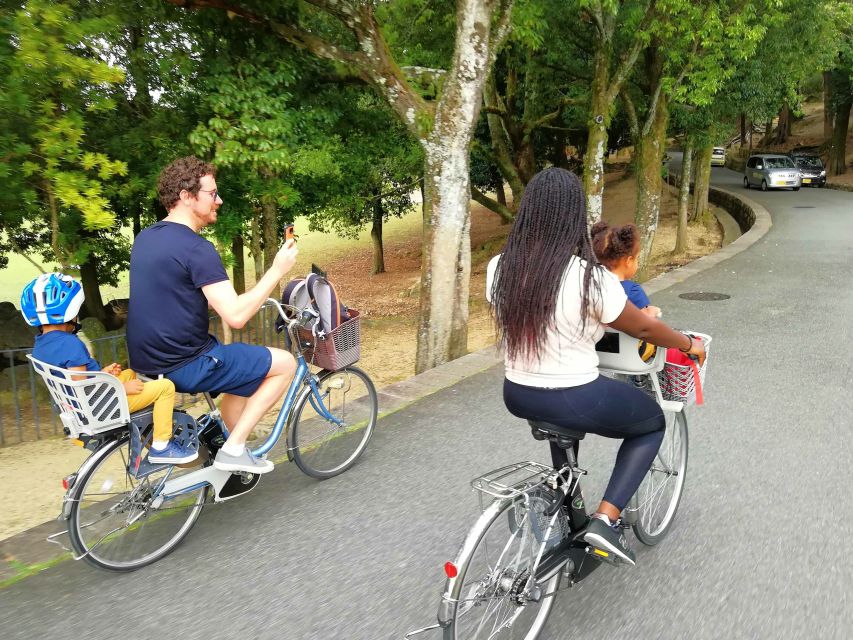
(761, 548)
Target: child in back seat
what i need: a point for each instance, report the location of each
(52, 303)
(618, 249)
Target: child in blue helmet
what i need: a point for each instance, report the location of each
(52, 303)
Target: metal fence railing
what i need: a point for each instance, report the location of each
(26, 412)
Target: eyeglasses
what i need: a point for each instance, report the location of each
(212, 192)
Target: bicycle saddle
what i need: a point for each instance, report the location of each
(546, 431)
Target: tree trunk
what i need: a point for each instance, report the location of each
(702, 183)
(257, 252)
(446, 262)
(137, 219)
(376, 234)
(270, 229)
(742, 130)
(239, 264)
(227, 336)
(593, 159)
(500, 143)
(93, 306)
(683, 200)
(842, 101)
(783, 127)
(838, 149)
(271, 239)
(827, 106)
(500, 193)
(58, 252)
(649, 158)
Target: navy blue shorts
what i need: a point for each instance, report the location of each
(238, 369)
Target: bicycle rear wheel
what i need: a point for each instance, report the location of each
(322, 448)
(114, 523)
(660, 493)
(495, 594)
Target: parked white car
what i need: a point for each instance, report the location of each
(718, 157)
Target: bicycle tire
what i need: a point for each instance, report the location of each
(495, 522)
(320, 448)
(669, 470)
(102, 551)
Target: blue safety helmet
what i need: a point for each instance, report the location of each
(52, 298)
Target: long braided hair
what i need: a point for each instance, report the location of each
(549, 231)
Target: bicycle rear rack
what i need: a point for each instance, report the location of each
(514, 480)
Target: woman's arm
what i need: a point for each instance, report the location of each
(642, 326)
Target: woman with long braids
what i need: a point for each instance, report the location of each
(551, 300)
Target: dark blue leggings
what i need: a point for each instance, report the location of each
(607, 408)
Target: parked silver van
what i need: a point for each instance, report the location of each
(772, 171)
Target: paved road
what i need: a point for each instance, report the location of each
(762, 546)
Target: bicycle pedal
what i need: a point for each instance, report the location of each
(603, 556)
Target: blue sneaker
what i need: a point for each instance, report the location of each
(172, 454)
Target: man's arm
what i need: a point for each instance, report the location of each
(237, 310)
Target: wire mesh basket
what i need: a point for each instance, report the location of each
(337, 349)
(678, 382)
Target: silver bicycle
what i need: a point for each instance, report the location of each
(527, 545)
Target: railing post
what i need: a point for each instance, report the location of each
(15, 396)
(35, 402)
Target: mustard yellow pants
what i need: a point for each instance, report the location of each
(160, 393)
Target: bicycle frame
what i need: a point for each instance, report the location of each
(303, 381)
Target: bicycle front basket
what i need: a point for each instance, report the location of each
(338, 349)
(677, 382)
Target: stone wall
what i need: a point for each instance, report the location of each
(739, 210)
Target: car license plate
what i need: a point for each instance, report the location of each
(807, 180)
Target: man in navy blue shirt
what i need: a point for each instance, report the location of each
(175, 275)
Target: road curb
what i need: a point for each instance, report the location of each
(27, 553)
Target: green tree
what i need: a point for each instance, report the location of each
(349, 34)
(55, 78)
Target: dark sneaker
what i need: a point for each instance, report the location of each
(609, 539)
(172, 454)
(244, 462)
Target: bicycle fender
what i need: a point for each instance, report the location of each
(672, 405)
(453, 586)
(72, 494)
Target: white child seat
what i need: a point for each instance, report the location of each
(94, 403)
(620, 353)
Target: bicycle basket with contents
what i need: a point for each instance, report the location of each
(682, 379)
(333, 339)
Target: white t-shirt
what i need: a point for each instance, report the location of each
(568, 358)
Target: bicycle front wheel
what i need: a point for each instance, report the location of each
(323, 448)
(496, 593)
(660, 493)
(115, 522)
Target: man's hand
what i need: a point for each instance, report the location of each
(286, 257)
(113, 369)
(654, 312)
(133, 387)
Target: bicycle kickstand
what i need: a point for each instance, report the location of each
(416, 632)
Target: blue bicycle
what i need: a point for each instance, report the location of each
(124, 513)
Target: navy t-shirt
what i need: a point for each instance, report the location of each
(167, 318)
(63, 350)
(635, 294)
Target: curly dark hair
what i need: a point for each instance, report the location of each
(613, 243)
(184, 174)
(549, 231)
